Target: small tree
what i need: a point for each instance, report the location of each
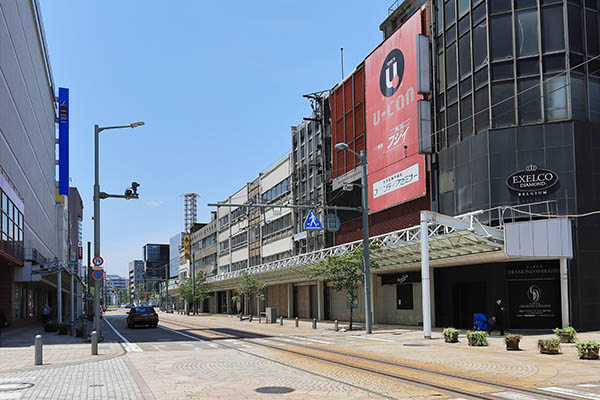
(344, 272)
(140, 292)
(186, 289)
(250, 287)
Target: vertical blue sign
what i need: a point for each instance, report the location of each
(63, 141)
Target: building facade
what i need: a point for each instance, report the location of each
(137, 277)
(175, 245)
(156, 264)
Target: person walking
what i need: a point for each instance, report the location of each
(498, 318)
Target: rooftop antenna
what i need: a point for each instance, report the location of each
(190, 210)
(342, 57)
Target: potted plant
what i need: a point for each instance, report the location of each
(566, 335)
(512, 341)
(588, 349)
(549, 346)
(477, 338)
(450, 335)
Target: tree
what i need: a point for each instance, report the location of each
(140, 292)
(250, 287)
(153, 295)
(344, 272)
(186, 289)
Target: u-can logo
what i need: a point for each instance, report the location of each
(534, 293)
(392, 72)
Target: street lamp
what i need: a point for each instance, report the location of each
(365, 223)
(97, 197)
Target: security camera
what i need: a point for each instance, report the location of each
(134, 186)
(128, 192)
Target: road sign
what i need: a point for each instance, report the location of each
(312, 223)
(97, 261)
(97, 274)
(332, 223)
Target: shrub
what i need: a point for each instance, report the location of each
(512, 341)
(588, 349)
(566, 335)
(450, 335)
(477, 338)
(549, 346)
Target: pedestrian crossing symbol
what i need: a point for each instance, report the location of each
(312, 223)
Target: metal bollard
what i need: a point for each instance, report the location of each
(335, 325)
(296, 322)
(250, 319)
(38, 350)
(241, 316)
(259, 319)
(314, 323)
(94, 343)
(281, 320)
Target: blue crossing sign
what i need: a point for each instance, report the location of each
(312, 223)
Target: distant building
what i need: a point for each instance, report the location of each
(156, 263)
(175, 245)
(137, 275)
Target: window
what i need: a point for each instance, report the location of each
(526, 33)
(453, 124)
(463, 6)
(239, 240)
(591, 26)
(224, 245)
(501, 37)
(552, 29)
(466, 117)
(503, 104)
(481, 110)
(575, 29)
(555, 97)
(497, 6)
(450, 11)
(277, 225)
(404, 296)
(529, 100)
(223, 221)
(578, 96)
(451, 64)
(480, 45)
(464, 55)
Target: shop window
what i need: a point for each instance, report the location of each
(404, 296)
(501, 37)
(526, 33)
(552, 29)
(464, 53)
(451, 64)
(555, 97)
(503, 104)
(480, 45)
(529, 100)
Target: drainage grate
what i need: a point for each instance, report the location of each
(415, 344)
(274, 389)
(97, 385)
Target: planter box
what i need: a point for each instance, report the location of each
(452, 338)
(549, 346)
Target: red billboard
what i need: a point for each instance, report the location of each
(396, 169)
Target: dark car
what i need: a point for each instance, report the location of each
(142, 315)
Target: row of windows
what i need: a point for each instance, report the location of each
(277, 225)
(278, 256)
(236, 266)
(238, 213)
(224, 221)
(276, 191)
(207, 241)
(11, 228)
(224, 245)
(239, 240)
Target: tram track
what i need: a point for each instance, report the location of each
(449, 383)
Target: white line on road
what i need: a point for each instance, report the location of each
(312, 340)
(572, 392)
(588, 385)
(515, 396)
(372, 338)
(129, 347)
(188, 336)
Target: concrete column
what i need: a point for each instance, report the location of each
(71, 297)
(426, 285)
(228, 301)
(320, 301)
(374, 287)
(564, 292)
(215, 304)
(59, 296)
(432, 295)
(290, 300)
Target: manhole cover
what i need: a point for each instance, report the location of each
(6, 386)
(274, 389)
(415, 344)
(97, 385)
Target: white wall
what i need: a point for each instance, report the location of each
(27, 128)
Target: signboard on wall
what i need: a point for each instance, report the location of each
(534, 292)
(396, 169)
(63, 141)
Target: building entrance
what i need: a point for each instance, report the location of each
(469, 298)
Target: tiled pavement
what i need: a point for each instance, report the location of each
(167, 365)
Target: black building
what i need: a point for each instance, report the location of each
(156, 262)
(517, 88)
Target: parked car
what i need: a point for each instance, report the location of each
(142, 315)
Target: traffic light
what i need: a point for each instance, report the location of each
(186, 247)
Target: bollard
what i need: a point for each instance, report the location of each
(241, 316)
(314, 323)
(259, 319)
(250, 319)
(296, 322)
(38, 350)
(281, 320)
(335, 325)
(94, 343)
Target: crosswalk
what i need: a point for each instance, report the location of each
(551, 390)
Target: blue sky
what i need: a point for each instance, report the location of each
(218, 84)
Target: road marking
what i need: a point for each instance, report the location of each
(129, 347)
(588, 385)
(515, 396)
(296, 341)
(188, 336)
(372, 338)
(572, 392)
(312, 340)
